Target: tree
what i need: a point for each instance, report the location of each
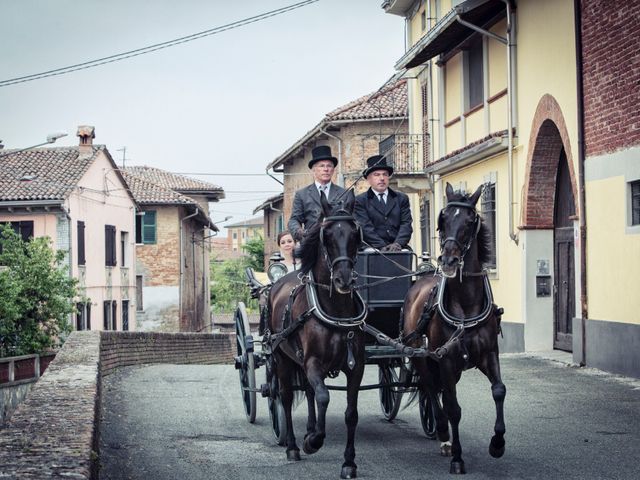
(229, 285)
(36, 295)
(255, 249)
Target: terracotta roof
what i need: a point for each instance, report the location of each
(176, 182)
(149, 193)
(43, 173)
(390, 101)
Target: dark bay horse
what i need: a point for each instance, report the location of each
(315, 329)
(455, 312)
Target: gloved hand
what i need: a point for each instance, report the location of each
(297, 236)
(392, 247)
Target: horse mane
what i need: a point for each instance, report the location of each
(309, 247)
(483, 239)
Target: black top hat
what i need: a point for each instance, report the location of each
(377, 162)
(323, 152)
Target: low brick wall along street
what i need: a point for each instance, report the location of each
(54, 433)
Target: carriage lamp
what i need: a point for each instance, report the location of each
(276, 271)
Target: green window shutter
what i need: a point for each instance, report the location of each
(149, 227)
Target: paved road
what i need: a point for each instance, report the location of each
(167, 422)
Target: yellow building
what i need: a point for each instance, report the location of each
(495, 88)
(240, 233)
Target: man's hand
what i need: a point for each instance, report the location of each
(392, 247)
(298, 235)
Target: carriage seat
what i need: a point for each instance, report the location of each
(385, 294)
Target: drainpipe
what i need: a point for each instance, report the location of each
(267, 172)
(508, 41)
(583, 201)
(68, 215)
(340, 174)
(181, 286)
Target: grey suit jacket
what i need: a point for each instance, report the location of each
(307, 209)
(381, 223)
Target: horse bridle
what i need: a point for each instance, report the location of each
(463, 248)
(332, 263)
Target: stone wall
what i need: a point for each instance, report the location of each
(55, 431)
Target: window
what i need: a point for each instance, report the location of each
(474, 77)
(83, 316)
(110, 245)
(124, 242)
(139, 304)
(81, 255)
(24, 229)
(280, 221)
(425, 225)
(235, 235)
(635, 202)
(488, 205)
(146, 227)
(109, 309)
(125, 315)
(423, 20)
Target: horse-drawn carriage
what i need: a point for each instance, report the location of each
(322, 321)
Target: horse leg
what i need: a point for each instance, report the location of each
(284, 369)
(354, 379)
(454, 412)
(430, 386)
(491, 368)
(311, 408)
(314, 440)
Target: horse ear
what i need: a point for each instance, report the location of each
(474, 198)
(449, 191)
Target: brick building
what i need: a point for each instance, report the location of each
(173, 230)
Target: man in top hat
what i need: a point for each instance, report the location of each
(383, 214)
(306, 203)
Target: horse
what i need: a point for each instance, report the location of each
(314, 320)
(455, 313)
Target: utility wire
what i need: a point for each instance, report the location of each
(155, 47)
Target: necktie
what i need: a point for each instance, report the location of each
(381, 195)
(323, 190)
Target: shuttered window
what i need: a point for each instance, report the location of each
(635, 202)
(81, 251)
(110, 246)
(146, 227)
(489, 216)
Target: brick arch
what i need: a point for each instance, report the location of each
(548, 136)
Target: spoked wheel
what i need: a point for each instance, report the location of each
(428, 416)
(390, 396)
(245, 362)
(276, 410)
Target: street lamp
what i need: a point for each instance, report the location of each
(50, 139)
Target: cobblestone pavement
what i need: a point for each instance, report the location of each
(166, 422)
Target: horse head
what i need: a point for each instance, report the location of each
(340, 237)
(458, 224)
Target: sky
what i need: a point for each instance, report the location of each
(219, 108)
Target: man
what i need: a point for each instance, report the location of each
(383, 214)
(306, 203)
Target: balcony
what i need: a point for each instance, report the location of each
(407, 153)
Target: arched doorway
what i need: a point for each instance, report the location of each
(563, 258)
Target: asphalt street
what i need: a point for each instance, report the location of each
(166, 422)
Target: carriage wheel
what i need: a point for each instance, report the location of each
(390, 396)
(428, 416)
(245, 362)
(276, 409)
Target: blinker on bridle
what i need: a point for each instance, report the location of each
(332, 263)
(463, 248)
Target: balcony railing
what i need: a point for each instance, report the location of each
(407, 153)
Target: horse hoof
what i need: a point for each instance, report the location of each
(293, 455)
(445, 449)
(348, 472)
(496, 452)
(457, 468)
(306, 446)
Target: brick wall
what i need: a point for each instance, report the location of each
(55, 431)
(159, 263)
(611, 73)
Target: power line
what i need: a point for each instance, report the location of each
(152, 48)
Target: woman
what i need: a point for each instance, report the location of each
(287, 244)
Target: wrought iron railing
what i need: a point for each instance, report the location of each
(408, 153)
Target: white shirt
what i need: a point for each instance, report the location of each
(384, 194)
(326, 191)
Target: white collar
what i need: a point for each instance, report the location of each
(318, 185)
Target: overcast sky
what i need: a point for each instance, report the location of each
(223, 105)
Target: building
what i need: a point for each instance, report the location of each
(273, 208)
(77, 197)
(518, 96)
(238, 234)
(173, 231)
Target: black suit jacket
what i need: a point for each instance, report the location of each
(307, 209)
(382, 223)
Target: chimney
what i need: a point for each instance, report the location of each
(86, 134)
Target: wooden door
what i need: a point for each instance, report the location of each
(564, 261)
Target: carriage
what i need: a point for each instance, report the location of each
(383, 281)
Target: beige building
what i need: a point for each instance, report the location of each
(173, 236)
(498, 90)
(238, 234)
(77, 197)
